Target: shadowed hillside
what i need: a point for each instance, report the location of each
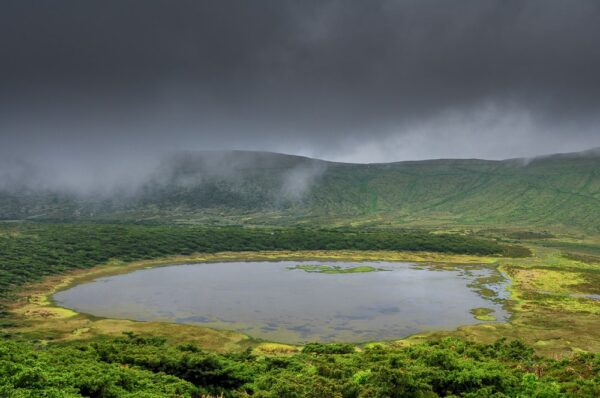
(558, 191)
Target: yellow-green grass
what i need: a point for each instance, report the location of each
(546, 312)
(333, 269)
(37, 316)
(483, 314)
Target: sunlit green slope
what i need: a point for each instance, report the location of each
(552, 191)
(559, 191)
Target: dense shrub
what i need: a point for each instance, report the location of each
(30, 251)
(137, 367)
(331, 348)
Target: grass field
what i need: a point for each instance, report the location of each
(559, 193)
(552, 301)
(548, 348)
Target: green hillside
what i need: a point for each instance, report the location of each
(237, 187)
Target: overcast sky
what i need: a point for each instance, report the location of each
(97, 82)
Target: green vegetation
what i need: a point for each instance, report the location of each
(573, 248)
(45, 352)
(483, 314)
(29, 252)
(135, 366)
(335, 269)
(549, 203)
(555, 193)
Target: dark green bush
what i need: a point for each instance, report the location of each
(331, 348)
(30, 251)
(135, 366)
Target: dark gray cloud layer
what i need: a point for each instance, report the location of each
(86, 81)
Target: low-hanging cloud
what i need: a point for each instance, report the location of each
(299, 180)
(95, 92)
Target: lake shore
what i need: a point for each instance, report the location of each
(575, 320)
(36, 315)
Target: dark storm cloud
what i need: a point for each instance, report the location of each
(86, 81)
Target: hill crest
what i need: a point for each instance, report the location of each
(244, 187)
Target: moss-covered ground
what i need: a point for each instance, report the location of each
(552, 301)
(335, 269)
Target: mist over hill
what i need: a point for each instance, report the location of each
(243, 187)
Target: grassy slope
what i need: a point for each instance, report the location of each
(547, 192)
(560, 192)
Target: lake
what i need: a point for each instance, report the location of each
(298, 301)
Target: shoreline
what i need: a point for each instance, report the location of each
(37, 312)
(555, 328)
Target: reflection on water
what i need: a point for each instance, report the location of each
(271, 301)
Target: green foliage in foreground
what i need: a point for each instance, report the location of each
(139, 367)
(30, 251)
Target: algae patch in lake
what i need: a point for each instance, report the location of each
(296, 302)
(335, 269)
(483, 314)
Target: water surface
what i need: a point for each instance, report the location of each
(270, 300)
